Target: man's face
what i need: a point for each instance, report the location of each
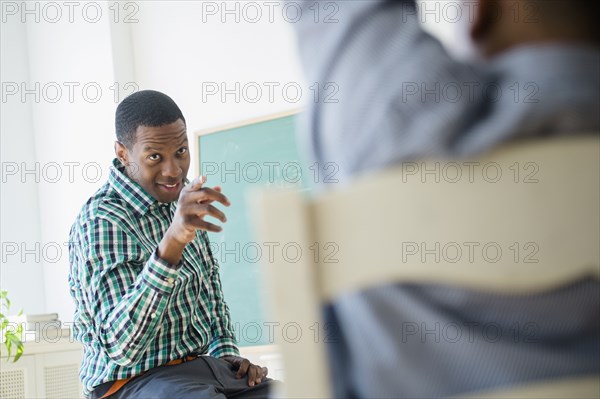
(159, 160)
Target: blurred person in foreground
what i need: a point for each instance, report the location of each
(402, 96)
(150, 311)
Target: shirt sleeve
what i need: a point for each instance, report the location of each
(223, 341)
(382, 85)
(124, 292)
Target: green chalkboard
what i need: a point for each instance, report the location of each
(241, 158)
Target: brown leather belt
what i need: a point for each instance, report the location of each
(118, 384)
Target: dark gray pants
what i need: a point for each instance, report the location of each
(205, 377)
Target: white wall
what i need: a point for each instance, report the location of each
(66, 120)
(79, 131)
(20, 271)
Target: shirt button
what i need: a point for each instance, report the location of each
(170, 280)
(152, 315)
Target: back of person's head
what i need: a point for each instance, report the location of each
(144, 108)
(501, 24)
(580, 17)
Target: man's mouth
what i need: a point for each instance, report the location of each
(170, 187)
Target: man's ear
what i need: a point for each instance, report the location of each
(122, 153)
(487, 13)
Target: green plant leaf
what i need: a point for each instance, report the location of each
(11, 336)
(18, 354)
(8, 344)
(15, 339)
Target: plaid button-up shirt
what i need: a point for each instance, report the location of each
(134, 311)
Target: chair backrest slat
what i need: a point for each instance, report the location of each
(524, 218)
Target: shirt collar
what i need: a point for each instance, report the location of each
(129, 190)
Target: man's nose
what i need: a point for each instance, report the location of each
(171, 169)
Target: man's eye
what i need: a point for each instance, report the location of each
(154, 157)
(182, 151)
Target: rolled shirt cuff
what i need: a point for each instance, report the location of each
(159, 274)
(223, 346)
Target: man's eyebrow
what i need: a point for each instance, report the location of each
(148, 147)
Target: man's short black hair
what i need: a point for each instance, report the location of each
(144, 108)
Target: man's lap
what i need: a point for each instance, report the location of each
(205, 377)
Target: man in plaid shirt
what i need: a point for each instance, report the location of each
(146, 287)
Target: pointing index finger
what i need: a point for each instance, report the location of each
(209, 195)
(212, 194)
(199, 182)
